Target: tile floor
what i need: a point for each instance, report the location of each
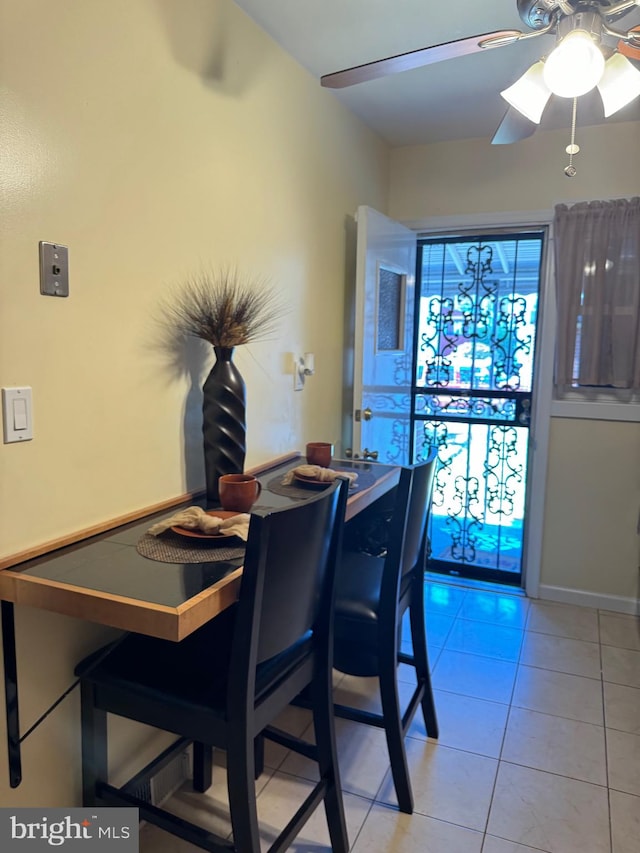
(539, 748)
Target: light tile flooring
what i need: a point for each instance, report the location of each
(539, 748)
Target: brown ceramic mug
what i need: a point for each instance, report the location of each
(319, 453)
(238, 492)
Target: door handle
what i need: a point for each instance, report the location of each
(367, 414)
(525, 415)
(370, 454)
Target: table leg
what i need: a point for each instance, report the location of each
(202, 766)
(11, 692)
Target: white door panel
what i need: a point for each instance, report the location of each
(384, 307)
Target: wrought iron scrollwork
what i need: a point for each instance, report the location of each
(507, 344)
(478, 314)
(472, 393)
(459, 407)
(438, 343)
(476, 297)
(503, 471)
(467, 499)
(465, 519)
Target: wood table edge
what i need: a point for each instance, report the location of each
(118, 611)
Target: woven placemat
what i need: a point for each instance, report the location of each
(300, 492)
(171, 548)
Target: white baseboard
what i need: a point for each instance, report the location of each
(615, 603)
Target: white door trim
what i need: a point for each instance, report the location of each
(508, 219)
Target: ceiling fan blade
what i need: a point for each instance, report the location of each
(418, 58)
(513, 127)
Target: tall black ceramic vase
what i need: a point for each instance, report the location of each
(223, 421)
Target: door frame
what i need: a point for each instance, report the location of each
(542, 391)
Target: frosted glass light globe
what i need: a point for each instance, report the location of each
(620, 84)
(529, 94)
(575, 66)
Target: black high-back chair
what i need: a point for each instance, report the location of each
(224, 684)
(372, 595)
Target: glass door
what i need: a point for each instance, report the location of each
(476, 309)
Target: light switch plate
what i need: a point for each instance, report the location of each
(54, 269)
(17, 415)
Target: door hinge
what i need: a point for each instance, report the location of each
(358, 416)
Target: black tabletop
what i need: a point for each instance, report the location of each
(110, 563)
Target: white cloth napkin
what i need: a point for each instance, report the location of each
(316, 472)
(195, 518)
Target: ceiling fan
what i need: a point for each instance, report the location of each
(589, 52)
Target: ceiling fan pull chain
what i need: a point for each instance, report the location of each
(570, 170)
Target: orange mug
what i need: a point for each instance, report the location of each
(319, 453)
(238, 492)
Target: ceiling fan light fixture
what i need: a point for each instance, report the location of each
(575, 66)
(530, 94)
(619, 85)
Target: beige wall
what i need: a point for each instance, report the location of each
(161, 137)
(590, 544)
(154, 138)
(593, 499)
(473, 176)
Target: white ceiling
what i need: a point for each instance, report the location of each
(456, 99)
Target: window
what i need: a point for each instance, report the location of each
(598, 297)
(390, 310)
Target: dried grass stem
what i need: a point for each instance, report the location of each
(224, 309)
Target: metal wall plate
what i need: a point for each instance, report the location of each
(54, 269)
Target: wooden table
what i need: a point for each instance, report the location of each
(105, 580)
(102, 578)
